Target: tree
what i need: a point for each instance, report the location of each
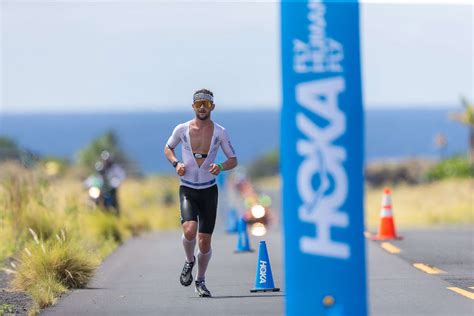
(467, 118)
(7, 143)
(9, 150)
(266, 165)
(109, 141)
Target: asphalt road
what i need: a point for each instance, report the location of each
(449, 249)
(141, 278)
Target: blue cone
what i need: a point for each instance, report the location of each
(263, 276)
(231, 221)
(243, 244)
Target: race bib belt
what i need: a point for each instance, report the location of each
(199, 156)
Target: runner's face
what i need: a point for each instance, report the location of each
(203, 109)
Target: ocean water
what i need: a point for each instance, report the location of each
(389, 134)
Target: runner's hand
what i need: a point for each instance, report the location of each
(180, 169)
(215, 170)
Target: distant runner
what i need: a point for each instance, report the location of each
(200, 138)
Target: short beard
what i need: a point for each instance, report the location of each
(202, 118)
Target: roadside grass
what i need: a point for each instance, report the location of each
(6, 309)
(47, 269)
(104, 226)
(8, 245)
(150, 203)
(55, 238)
(443, 202)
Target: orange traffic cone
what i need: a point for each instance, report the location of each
(387, 225)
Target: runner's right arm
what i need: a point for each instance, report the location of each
(171, 144)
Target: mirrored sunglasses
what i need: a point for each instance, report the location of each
(207, 104)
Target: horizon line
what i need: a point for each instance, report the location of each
(267, 108)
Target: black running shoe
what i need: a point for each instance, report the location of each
(202, 290)
(186, 277)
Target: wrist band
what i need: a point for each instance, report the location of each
(220, 166)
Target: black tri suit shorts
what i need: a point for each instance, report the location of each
(199, 204)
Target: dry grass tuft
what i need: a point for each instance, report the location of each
(46, 292)
(48, 268)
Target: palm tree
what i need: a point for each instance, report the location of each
(467, 118)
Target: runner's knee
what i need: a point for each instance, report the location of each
(204, 243)
(189, 230)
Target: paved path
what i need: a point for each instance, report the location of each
(141, 278)
(450, 249)
(397, 288)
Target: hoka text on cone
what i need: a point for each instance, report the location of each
(263, 276)
(387, 225)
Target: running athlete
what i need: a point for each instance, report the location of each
(200, 139)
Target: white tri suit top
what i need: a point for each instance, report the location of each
(199, 177)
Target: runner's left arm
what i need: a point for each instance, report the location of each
(229, 151)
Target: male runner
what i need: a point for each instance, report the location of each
(200, 138)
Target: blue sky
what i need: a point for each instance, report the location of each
(74, 56)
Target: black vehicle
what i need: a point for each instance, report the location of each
(101, 193)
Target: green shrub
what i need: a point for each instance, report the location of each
(454, 167)
(88, 156)
(106, 226)
(47, 269)
(266, 165)
(410, 171)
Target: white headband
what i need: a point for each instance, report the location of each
(203, 96)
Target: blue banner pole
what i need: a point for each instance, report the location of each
(322, 159)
